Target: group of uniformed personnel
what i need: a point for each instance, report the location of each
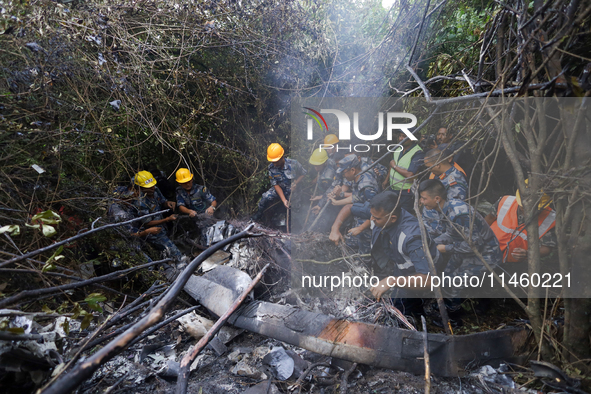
(143, 197)
(380, 202)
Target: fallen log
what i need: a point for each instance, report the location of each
(362, 343)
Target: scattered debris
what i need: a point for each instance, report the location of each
(555, 377)
(263, 388)
(354, 341)
(116, 104)
(280, 363)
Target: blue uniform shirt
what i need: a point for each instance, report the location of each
(455, 183)
(398, 249)
(146, 205)
(197, 199)
(364, 188)
(283, 176)
(121, 211)
(445, 233)
(326, 177)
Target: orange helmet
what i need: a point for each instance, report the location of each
(274, 152)
(183, 175)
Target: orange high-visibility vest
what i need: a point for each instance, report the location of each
(510, 234)
(456, 165)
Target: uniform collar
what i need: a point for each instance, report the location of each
(447, 173)
(285, 163)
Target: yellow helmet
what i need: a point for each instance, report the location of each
(331, 139)
(183, 175)
(318, 157)
(544, 201)
(144, 179)
(274, 152)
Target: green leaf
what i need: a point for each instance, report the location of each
(62, 307)
(48, 231)
(77, 311)
(47, 217)
(16, 330)
(49, 266)
(86, 321)
(46, 309)
(93, 300)
(66, 326)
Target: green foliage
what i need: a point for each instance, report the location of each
(93, 300)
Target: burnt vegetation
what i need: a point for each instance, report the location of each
(93, 91)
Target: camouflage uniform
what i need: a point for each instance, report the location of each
(455, 183)
(326, 177)
(363, 190)
(121, 211)
(160, 241)
(282, 177)
(197, 199)
(462, 259)
(379, 172)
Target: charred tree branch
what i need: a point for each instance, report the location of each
(114, 275)
(85, 369)
(74, 238)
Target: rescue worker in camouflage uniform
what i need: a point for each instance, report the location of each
(325, 179)
(341, 185)
(193, 199)
(397, 251)
(436, 207)
(151, 200)
(363, 188)
(122, 209)
(326, 169)
(461, 155)
(454, 181)
(284, 174)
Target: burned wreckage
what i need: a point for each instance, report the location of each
(220, 278)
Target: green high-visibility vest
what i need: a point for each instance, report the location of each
(397, 181)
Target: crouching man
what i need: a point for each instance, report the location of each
(363, 188)
(284, 174)
(397, 252)
(151, 200)
(454, 226)
(193, 199)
